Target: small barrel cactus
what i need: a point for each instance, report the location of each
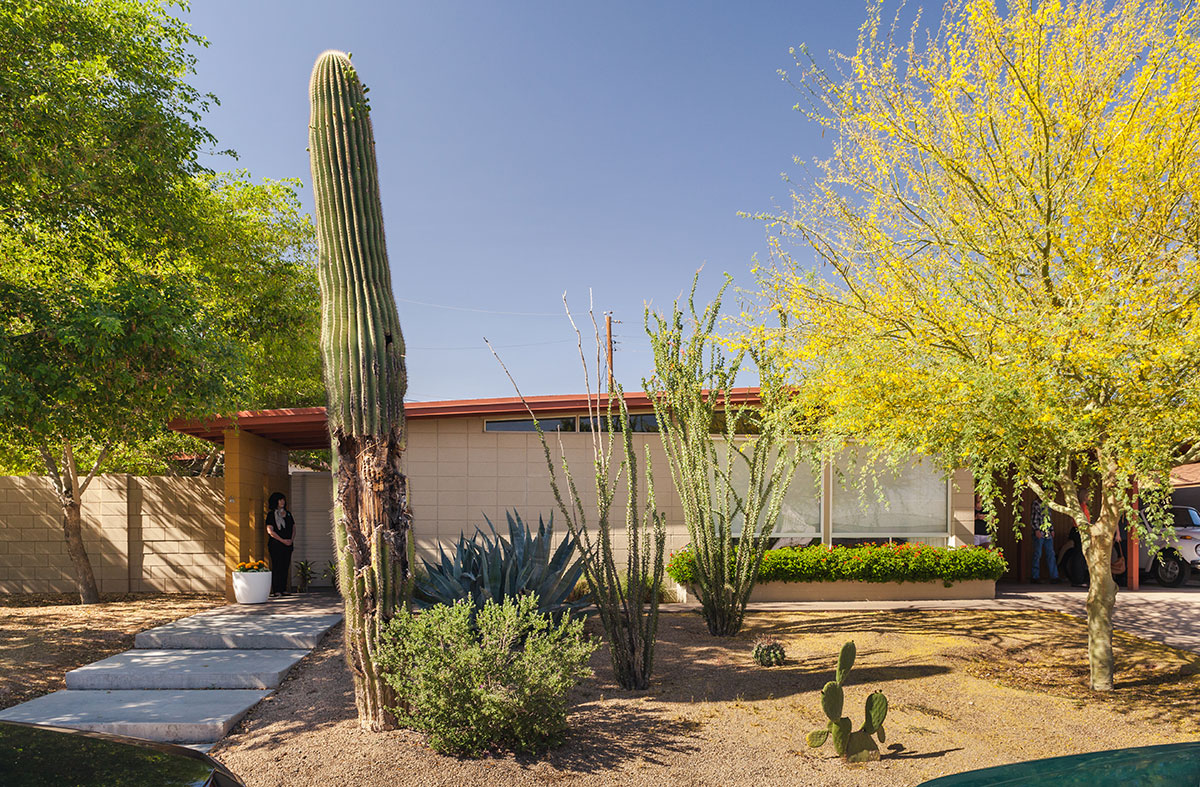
(768, 652)
(855, 746)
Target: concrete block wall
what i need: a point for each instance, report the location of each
(181, 534)
(140, 533)
(311, 505)
(458, 473)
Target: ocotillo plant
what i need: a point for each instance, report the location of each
(363, 355)
(627, 613)
(704, 427)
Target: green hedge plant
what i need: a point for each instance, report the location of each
(498, 681)
(866, 563)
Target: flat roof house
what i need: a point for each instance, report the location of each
(472, 458)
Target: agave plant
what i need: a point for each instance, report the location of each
(487, 567)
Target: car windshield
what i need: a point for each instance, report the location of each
(1185, 517)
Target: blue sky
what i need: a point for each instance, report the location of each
(531, 148)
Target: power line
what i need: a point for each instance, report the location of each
(480, 311)
(498, 346)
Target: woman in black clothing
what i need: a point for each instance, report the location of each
(280, 531)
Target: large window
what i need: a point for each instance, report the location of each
(873, 502)
(526, 425)
(643, 422)
(800, 515)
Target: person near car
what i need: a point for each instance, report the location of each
(281, 529)
(1043, 540)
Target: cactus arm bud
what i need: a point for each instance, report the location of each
(817, 738)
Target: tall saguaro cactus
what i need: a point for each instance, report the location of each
(363, 355)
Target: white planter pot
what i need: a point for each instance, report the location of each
(251, 587)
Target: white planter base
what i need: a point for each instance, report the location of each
(251, 587)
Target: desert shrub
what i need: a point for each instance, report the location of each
(498, 682)
(866, 563)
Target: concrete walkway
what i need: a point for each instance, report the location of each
(191, 680)
(1167, 615)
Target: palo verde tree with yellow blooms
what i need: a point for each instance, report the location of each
(1005, 241)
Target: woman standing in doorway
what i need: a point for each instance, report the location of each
(280, 531)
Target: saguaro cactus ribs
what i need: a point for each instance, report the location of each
(362, 351)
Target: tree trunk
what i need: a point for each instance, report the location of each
(1101, 598)
(85, 579)
(372, 523)
(1102, 589)
(70, 495)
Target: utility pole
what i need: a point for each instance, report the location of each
(608, 330)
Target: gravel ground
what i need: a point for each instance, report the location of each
(42, 637)
(966, 690)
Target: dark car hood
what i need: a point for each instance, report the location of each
(36, 756)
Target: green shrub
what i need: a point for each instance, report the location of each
(498, 683)
(866, 563)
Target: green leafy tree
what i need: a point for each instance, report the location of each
(1009, 234)
(130, 279)
(100, 345)
(96, 116)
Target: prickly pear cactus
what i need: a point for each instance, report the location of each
(854, 745)
(768, 653)
(362, 352)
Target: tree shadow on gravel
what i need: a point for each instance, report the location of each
(694, 666)
(603, 738)
(1039, 651)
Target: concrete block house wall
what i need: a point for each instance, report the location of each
(458, 473)
(311, 504)
(179, 534)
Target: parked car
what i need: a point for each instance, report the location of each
(39, 756)
(1176, 557)
(1146, 766)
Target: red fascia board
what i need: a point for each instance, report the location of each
(543, 405)
(305, 427)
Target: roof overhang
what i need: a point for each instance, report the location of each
(305, 428)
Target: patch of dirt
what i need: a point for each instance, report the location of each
(966, 689)
(42, 637)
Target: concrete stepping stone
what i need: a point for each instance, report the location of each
(186, 669)
(169, 716)
(240, 631)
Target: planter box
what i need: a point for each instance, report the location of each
(845, 590)
(251, 587)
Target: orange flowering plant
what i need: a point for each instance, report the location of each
(252, 566)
